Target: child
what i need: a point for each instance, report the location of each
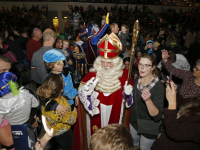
(149, 47)
(124, 29)
(50, 90)
(65, 48)
(128, 51)
(123, 35)
(138, 55)
(54, 62)
(112, 136)
(68, 53)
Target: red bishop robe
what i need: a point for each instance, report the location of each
(114, 100)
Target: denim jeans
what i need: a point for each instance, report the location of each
(145, 144)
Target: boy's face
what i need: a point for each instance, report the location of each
(149, 45)
(65, 45)
(58, 68)
(123, 29)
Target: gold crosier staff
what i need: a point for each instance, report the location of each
(135, 36)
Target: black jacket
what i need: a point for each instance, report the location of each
(15, 46)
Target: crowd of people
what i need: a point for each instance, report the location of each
(94, 91)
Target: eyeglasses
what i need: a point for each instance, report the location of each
(144, 65)
(196, 68)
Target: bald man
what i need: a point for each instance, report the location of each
(34, 43)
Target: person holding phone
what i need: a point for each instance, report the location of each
(182, 128)
(190, 87)
(148, 97)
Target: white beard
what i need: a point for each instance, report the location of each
(108, 80)
(108, 77)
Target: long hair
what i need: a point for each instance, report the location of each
(51, 88)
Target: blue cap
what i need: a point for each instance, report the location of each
(150, 41)
(53, 55)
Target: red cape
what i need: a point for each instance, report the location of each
(114, 99)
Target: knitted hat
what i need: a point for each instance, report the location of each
(150, 41)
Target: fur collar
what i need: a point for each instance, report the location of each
(191, 109)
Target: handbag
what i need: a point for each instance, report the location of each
(145, 126)
(148, 127)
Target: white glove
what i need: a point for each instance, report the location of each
(90, 85)
(128, 89)
(88, 97)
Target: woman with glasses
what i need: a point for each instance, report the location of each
(148, 97)
(190, 87)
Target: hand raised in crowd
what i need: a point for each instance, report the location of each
(107, 18)
(146, 95)
(164, 55)
(16, 32)
(62, 110)
(70, 62)
(171, 95)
